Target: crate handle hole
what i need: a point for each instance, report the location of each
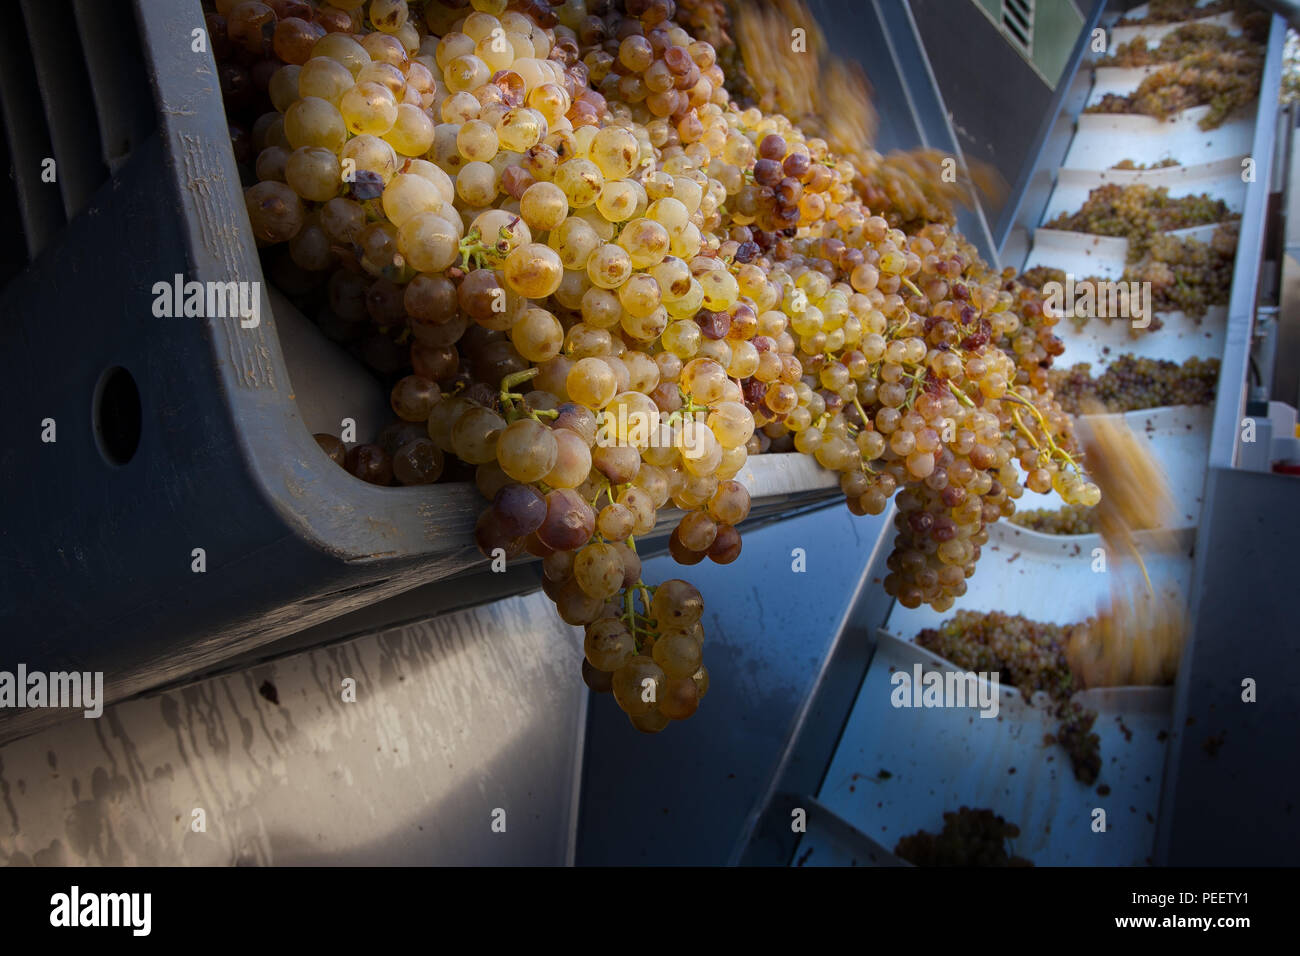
(117, 416)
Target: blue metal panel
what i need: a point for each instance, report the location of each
(687, 795)
(1231, 402)
(1232, 788)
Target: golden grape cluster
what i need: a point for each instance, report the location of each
(598, 286)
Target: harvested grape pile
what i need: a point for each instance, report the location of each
(1186, 274)
(1068, 519)
(1224, 80)
(969, 838)
(1178, 11)
(1203, 64)
(1130, 383)
(598, 286)
(1161, 164)
(1139, 212)
(1027, 654)
(1040, 276)
(1030, 655)
(1177, 44)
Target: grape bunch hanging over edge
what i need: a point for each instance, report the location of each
(613, 286)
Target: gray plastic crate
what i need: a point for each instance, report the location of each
(172, 433)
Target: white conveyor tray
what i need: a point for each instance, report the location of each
(940, 759)
(1103, 139)
(1082, 254)
(1220, 179)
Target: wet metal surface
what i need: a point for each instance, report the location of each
(454, 718)
(686, 795)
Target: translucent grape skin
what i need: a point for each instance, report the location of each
(418, 462)
(598, 569)
(399, 433)
(639, 685)
(650, 722)
(676, 603)
(275, 211)
(575, 606)
(332, 447)
(598, 681)
(520, 509)
(677, 653)
(682, 554)
(681, 698)
(726, 545)
(413, 398)
(492, 538)
(371, 464)
(569, 522)
(527, 450)
(572, 461)
(608, 644)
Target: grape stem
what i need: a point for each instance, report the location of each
(865, 422)
(472, 250)
(629, 615)
(858, 405)
(688, 403)
(916, 385)
(1025, 431)
(645, 599)
(908, 282)
(508, 397)
(1042, 423)
(961, 396)
(690, 408)
(518, 378)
